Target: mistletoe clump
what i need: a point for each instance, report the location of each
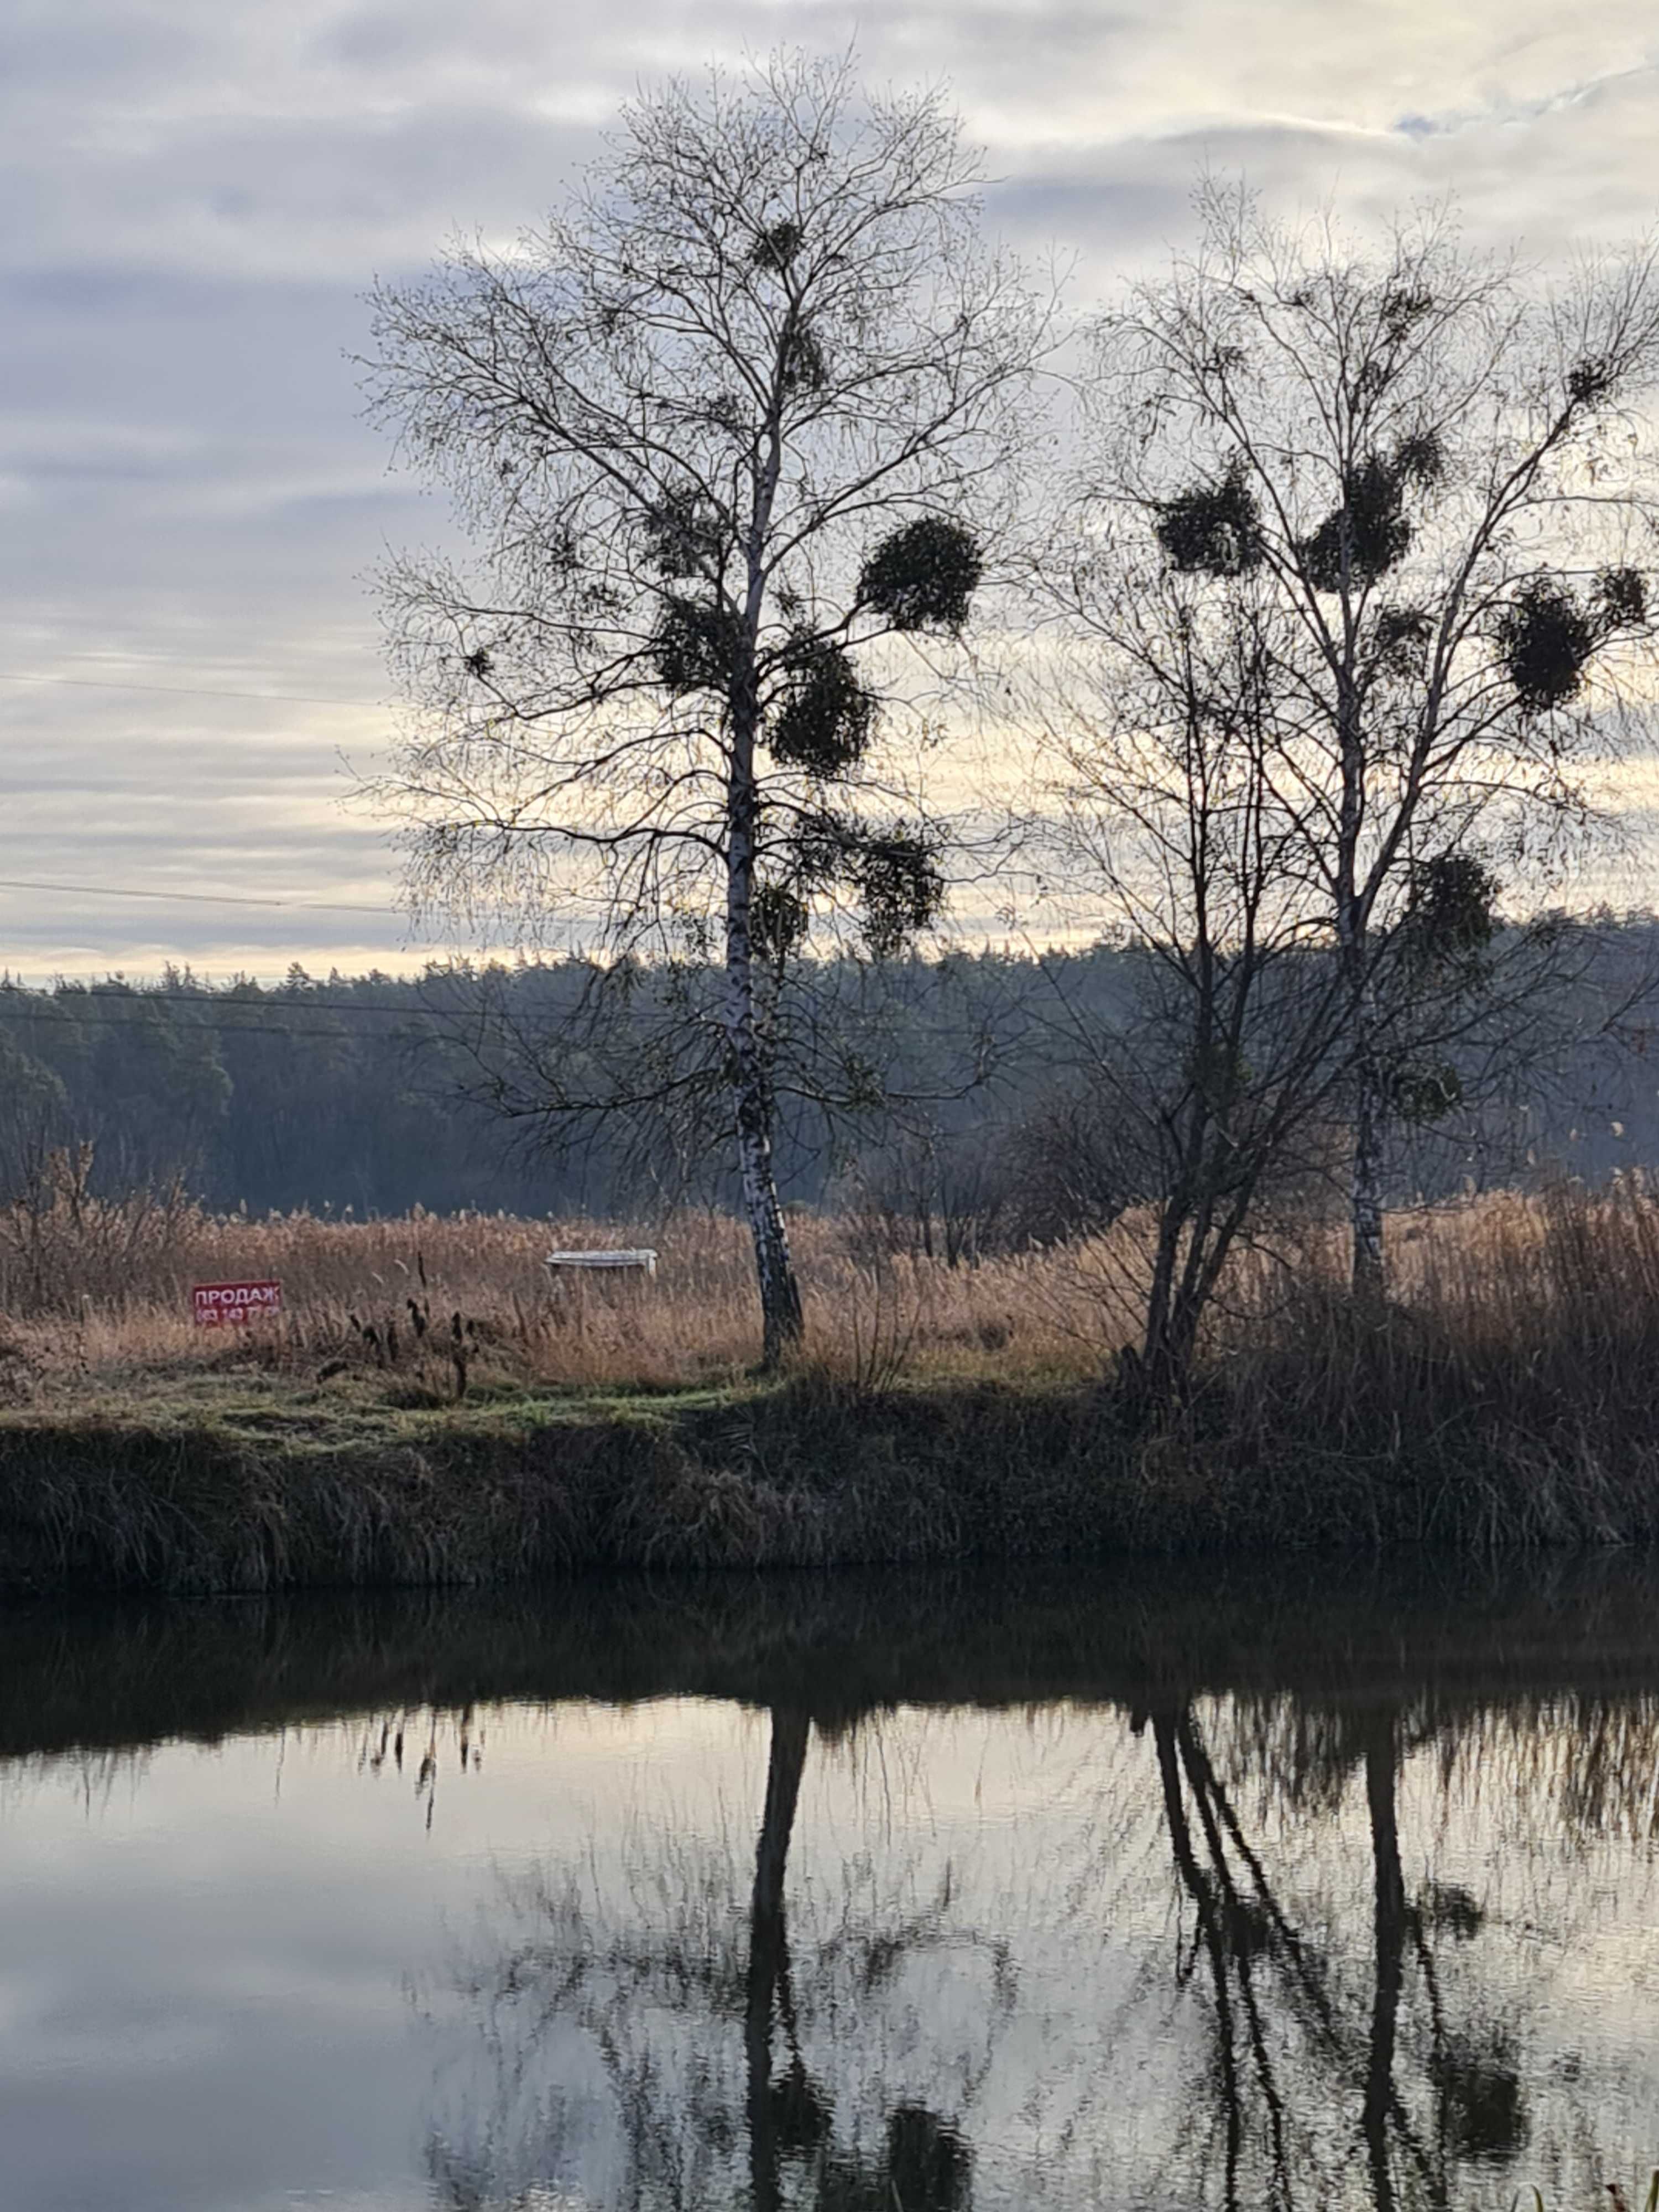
(894, 875)
(778, 922)
(696, 645)
(777, 245)
(825, 719)
(1364, 537)
(1548, 634)
(923, 576)
(1589, 380)
(901, 889)
(1401, 311)
(1371, 533)
(1212, 529)
(1621, 598)
(682, 538)
(1449, 908)
(1420, 458)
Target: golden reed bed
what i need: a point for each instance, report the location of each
(93, 1288)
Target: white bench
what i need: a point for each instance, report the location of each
(644, 1261)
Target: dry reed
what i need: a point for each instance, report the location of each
(95, 1290)
(1503, 1399)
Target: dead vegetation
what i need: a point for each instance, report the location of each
(95, 1291)
(95, 1295)
(429, 1409)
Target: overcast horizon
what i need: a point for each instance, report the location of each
(199, 192)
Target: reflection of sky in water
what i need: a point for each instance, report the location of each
(255, 1976)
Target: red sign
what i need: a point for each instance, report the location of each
(233, 1305)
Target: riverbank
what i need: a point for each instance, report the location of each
(249, 1482)
(1340, 1434)
(421, 1413)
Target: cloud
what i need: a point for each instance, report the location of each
(193, 196)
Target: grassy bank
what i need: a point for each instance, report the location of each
(1365, 1439)
(1504, 1399)
(254, 1482)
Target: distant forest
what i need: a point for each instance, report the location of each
(367, 1093)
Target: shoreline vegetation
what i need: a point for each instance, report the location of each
(429, 1412)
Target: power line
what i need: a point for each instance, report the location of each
(69, 1007)
(241, 1028)
(189, 690)
(203, 898)
(74, 994)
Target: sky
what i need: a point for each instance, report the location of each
(195, 193)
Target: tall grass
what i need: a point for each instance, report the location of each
(1503, 1399)
(95, 1288)
(1541, 1299)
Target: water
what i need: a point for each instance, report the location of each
(1055, 1890)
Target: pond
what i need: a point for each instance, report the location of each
(1051, 1889)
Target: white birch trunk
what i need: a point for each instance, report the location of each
(780, 1293)
(1354, 950)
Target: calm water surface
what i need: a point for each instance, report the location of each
(1065, 1890)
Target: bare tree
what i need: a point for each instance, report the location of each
(733, 436)
(1231, 1062)
(1431, 476)
(1226, 1063)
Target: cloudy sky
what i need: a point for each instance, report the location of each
(195, 192)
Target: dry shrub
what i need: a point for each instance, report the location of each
(1503, 1397)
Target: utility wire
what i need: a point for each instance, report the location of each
(203, 898)
(191, 692)
(72, 996)
(240, 1030)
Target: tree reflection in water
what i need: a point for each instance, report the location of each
(1294, 2032)
(924, 2165)
(1331, 2036)
(678, 2127)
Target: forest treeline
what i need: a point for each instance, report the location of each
(986, 1126)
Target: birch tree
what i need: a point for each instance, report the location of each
(1432, 473)
(733, 436)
